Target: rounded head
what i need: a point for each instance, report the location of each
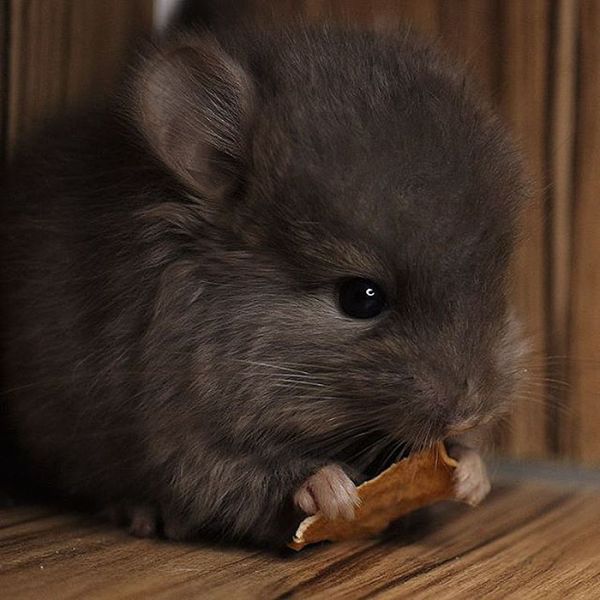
(337, 266)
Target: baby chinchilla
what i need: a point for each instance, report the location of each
(278, 257)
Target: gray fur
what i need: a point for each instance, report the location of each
(169, 269)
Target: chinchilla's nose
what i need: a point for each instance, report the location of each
(457, 401)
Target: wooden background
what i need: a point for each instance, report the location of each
(57, 54)
(538, 61)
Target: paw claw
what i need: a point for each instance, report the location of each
(329, 491)
(471, 483)
(305, 501)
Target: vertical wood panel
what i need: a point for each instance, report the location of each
(561, 148)
(525, 29)
(64, 52)
(583, 430)
(471, 30)
(423, 16)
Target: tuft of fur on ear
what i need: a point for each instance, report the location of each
(193, 103)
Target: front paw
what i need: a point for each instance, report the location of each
(471, 482)
(329, 491)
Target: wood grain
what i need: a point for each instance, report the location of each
(561, 164)
(525, 29)
(62, 53)
(529, 542)
(471, 31)
(583, 429)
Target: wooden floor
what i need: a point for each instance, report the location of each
(524, 542)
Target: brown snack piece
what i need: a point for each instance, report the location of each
(412, 483)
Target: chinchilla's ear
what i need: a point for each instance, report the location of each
(193, 103)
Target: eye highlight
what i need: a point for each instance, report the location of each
(361, 298)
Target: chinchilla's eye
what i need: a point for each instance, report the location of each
(361, 298)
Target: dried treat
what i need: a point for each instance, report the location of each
(416, 481)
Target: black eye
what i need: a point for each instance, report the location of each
(361, 298)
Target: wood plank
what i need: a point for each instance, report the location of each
(65, 53)
(530, 541)
(471, 31)
(422, 16)
(583, 431)
(561, 147)
(380, 14)
(522, 93)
